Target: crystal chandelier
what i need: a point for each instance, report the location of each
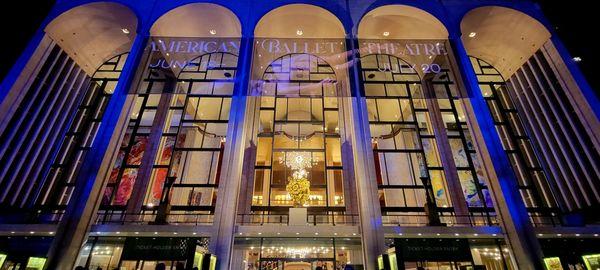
(297, 161)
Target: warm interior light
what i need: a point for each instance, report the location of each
(472, 34)
(299, 32)
(386, 33)
(212, 31)
(125, 31)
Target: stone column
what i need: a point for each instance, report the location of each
(519, 233)
(79, 216)
(371, 227)
(221, 242)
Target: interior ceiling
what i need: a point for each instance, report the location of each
(93, 33)
(313, 21)
(505, 38)
(197, 20)
(400, 22)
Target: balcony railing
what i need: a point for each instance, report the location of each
(537, 219)
(544, 220)
(311, 219)
(449, 220)
(148, 218)
(37, 217)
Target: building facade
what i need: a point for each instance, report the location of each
(298, 135)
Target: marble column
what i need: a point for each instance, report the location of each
(221, 242)
(371, 226)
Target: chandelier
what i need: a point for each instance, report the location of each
(297, 161)
(298, 186)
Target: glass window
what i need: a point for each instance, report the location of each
(406, 156)
(298, 129)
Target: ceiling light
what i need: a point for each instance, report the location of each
(212, 31)
(472, 34)
(125, 31)
(577, 59)
(299, 32)
(386, 33)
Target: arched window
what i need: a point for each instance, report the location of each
(548, 109)
(184, 122)
(408, 161)
(405, 151)
(298, 119)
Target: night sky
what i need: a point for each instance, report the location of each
(575, 23)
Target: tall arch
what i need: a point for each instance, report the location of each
(174, 131)
(197, 20)
(290, 20)
(406, 48)
(77, 42)
(503, 37)
(553, 110)
(93, 33)
(401, 22)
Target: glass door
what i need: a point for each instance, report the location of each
(150, 265)
(297, 264)
(445, 265)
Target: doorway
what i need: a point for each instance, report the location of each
(296, 264)
(149, 265)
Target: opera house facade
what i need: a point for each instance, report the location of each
(298, 135)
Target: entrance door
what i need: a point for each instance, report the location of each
(428, 265)
(296, 264)
(149, 265)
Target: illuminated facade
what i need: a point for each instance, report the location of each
(298, 135)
